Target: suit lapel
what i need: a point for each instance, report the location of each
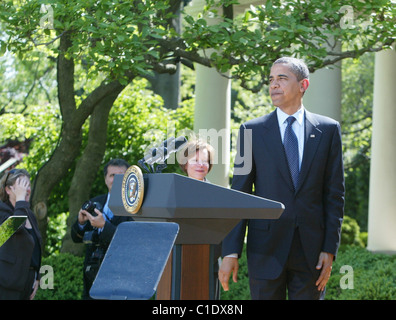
(272, 138)
(312, 138)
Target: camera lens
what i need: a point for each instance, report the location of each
(90, 207)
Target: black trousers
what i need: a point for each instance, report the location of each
(296, 282)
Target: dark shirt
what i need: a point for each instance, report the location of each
(36, 255)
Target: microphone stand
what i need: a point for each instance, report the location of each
(149, 168)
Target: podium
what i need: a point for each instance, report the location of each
(123, 274)
(205, 213)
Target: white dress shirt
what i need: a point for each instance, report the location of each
(297, 126)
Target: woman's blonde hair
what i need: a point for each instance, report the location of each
(8, 179)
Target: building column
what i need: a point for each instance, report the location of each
(212, 114)
(324, 92)
(212, 119)
(382, 208)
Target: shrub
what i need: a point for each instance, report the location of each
(370, 275)
(350, 232)
(67, 278)
(357, 274)
(55, 232)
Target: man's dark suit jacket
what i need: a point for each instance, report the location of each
(105, 237)
(16, 253)
(107, 233)
(315, 207)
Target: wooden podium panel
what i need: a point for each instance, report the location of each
(194, 276)
(194, 283)
(164, 289)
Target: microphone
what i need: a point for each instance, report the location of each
(157, 155)
(151, 153)
(161, 153)
(154, 151)
(175, 146)
(167, 142)
(179, 142)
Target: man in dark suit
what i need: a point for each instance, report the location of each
(298, 162)
(97, 230)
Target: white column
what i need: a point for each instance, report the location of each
(212, 118)
(324, 92)
(213, 108)
(382, 207)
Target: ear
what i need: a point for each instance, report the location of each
(304, 85)
(8, 190)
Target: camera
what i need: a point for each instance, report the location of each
(91, 237)
(90, 206)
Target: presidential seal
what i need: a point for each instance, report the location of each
(132, 189)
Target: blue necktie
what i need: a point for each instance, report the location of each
(291, 148)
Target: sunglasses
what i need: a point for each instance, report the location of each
(8, 174)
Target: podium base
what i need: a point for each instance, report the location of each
(190, 273)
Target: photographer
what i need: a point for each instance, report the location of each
(96, 225)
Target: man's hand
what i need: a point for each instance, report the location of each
(96, 221)
(82, 217)
(325, 263)
(35, 287)
(228, 265)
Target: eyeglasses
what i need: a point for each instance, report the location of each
(8, 174)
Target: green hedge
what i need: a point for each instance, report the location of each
(67, 278)
(357, 274)
(350, 233)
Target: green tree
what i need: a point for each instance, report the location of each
(101, 46)
(357, 107)
(137, 121)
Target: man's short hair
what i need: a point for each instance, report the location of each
(297, 66)
(115, 163)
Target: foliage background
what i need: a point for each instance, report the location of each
(372, 275)
(139, 120)
(29, 110)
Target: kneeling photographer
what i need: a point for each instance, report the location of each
(96, 225)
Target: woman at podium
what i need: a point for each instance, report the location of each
(198, 159)
(197, 162)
